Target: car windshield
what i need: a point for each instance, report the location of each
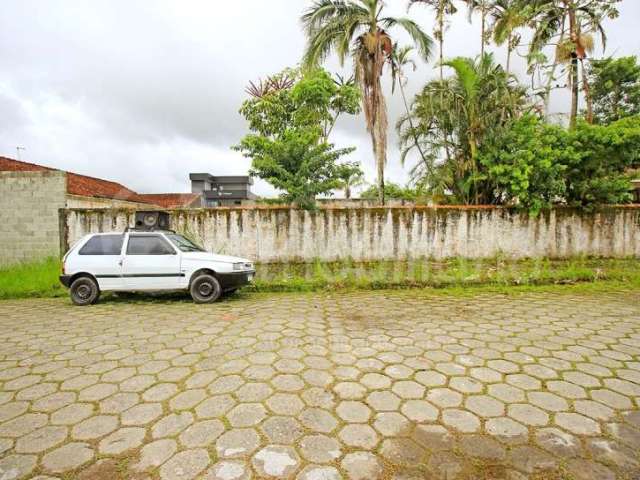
(183, 243)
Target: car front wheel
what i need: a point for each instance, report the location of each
(205, 289)
(84, 291)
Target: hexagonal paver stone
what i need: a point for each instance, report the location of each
(12, 409)
(97, 392)
(54, 402)
(276, 461)
(160, 392)
(36, 391)
(142, 414)
(185, 465)
(23, 425)
(576, 423)
(155, 454)
(351, 411)
(41, 440)
(392, 424)
(228, 470)
(566, 389)
(21, 382)
(138, 383)
(320, 448)
(316, 472)
(67, 457)
(486, 448)
(461, 420)
(172, 425)
(122, 440)
(506, 393)
(201, 434)
(362, 466)
(187, 399)
(434, 437)
(5, 444)
(254, 392)
(282, 430)
(94, 427)
(216, 406)
(247, 414)
(318, 378)
(375, 381)
(287, 383)
(548, 401)
(17, 466)
(528, 414)
(237, 443)
(485, 406)
(611, 399)
(72, 414)
(320, 420)
(355, 435)
(402, 451)
(383, 401)
(485, 375)
(350, 390)
(465, 384)
(507, 430)
(444, 397)
(118, 403)
(285, 404)
(594, 410)
(531, 459)
(525, 382)
(558, 442)
(420, 411)
(408, 389)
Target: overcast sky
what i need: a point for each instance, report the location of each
(145, 91)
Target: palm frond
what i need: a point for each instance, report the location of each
(422, 40)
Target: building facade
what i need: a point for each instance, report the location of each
(219, 191)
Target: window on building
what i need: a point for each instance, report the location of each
(103, 245)
(148, 245)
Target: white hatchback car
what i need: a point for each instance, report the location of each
(144, 261)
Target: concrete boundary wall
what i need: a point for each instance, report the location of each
(276, 234)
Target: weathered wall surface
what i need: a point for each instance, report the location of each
(29, 221)
(367, 234)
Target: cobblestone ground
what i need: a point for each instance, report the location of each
(398, 385)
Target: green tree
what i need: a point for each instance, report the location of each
(534, 165)
(570, 25)
(290, 117)
(442, 8)
(508, 16)
(451, 119)
(484, 7)
(350, 175)
(359, 28)
(392, 191)
(615, 88)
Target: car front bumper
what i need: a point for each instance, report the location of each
(65, 280)
(233, 280)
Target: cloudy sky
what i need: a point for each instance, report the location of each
(145, 91)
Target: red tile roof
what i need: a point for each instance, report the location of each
(171, 200)
(85, 186)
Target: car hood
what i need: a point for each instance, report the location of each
(213, 257)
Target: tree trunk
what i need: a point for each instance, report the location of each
(509, 51)
(411, 126)
(587, 93)
(575, 85)
(347, 192)
(483, 31)
(441, 39)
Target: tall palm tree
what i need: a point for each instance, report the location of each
(442, 9)
(507, 17)
(484, 7)
(569, 24)
(360, 29)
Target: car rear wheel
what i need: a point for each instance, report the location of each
(84, 291)
(205, 289)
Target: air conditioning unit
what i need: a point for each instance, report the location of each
(152, 220)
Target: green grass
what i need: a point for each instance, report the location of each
(37, 279)
(40, 279)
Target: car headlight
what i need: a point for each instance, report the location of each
(242, 266)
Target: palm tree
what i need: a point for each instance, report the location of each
(484, 7)
(359, 28)
(442, 9)
(508, 16)
(350, 177)
(569, 24)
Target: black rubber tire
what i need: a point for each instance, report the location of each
(205, 289)
(84, 291)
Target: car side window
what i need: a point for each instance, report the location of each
(148, 245)
(103, 245)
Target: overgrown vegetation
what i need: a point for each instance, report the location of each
(40, 279)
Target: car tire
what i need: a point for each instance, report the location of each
(84, 291)
(205, 289)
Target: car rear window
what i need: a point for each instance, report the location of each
(148, 245)
(103, 245)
